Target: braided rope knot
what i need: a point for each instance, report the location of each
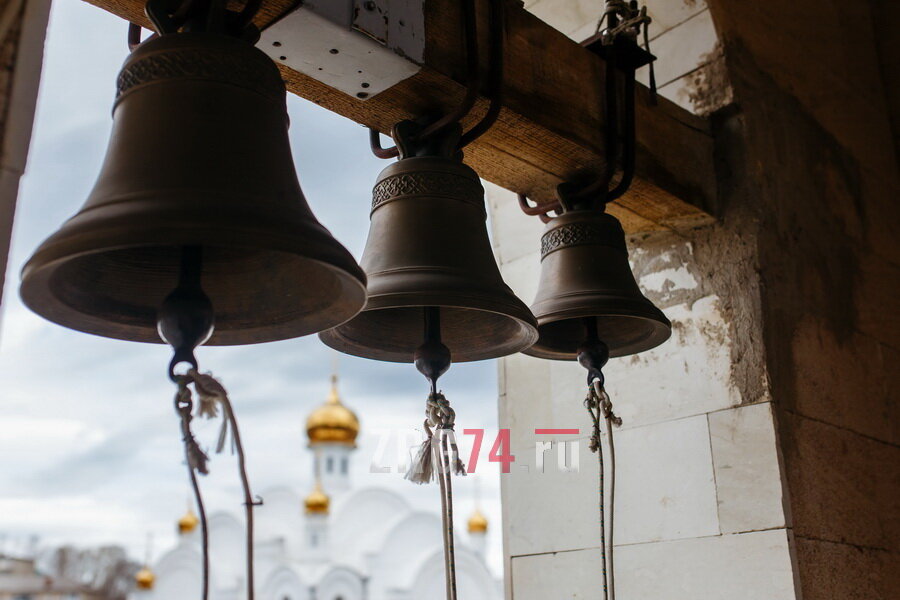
(599, 405)
(440, 414)
(440, 440)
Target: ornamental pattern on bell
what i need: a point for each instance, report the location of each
(245, 69)
(575, 234)
(424, 183)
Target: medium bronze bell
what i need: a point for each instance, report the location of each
(428, 247)
(586, 281)
(199, 156)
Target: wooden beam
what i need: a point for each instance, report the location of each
(550, 128)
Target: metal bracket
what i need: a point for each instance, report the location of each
(359, 47)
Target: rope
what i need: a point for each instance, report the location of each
(212, 395)
(196, 461)
(440, 447)
(599, 406)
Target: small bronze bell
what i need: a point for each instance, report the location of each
(428, 247)
(587, 289)
(199, 157)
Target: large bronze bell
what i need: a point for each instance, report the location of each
(199, 156)
(587, 290)
(428, 247)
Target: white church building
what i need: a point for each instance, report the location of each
(337, 543)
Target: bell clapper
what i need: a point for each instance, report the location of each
(432, 357)
(186, 320)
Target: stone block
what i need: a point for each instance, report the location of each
(749, 566)
(830, 570)
(522, 275)
(846, 382)
(748, 473)
(843, 487)
(682, 49)
(665, 484)
(665, 490)
(557, 576)
(514, 233)
(525, 404)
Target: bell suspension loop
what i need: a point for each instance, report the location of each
(185, 321)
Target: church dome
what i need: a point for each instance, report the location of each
(188, 523)
(317, 501)
(144, 579)
(478, 523)
(332, 422)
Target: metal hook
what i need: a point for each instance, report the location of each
(539, 210)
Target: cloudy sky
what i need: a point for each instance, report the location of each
(89, 446)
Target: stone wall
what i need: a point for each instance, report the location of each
(759, 454)
(22, 29)
(821, 168)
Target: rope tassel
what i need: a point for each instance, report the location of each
(440, 419)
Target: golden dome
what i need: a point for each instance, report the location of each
(188, 522)
(317, 501)
(144, 579)
(332, 422)
(478, 523)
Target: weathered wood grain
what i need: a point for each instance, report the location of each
(551, 126)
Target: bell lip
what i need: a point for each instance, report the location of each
(36, 296)
(659, 332)
(528, 330)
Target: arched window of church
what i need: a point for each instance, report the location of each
(329, 464)
(314, 540)
(344, 465)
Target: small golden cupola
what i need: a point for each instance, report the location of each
(144, 579)
(478, 523)
(188, 523)
(332, 422)
(317, 502)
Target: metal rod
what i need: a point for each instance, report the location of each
(628, 142)
(433, 334)
(539, 210)
(473, 77)
(498, 26)
(377, 149)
